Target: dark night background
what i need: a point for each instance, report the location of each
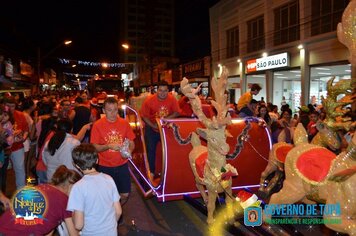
(93, 26)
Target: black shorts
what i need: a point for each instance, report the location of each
(121, 176)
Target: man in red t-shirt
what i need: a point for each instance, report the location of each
(108, 135)
(17, 156)
(160, 105)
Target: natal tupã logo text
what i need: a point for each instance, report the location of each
(29, 206)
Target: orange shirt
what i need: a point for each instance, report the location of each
(153, 108)
(105, 132)
(244, 100)
(20, 124)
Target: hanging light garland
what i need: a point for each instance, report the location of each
(78, 75)
(90, 75)
(93, 64)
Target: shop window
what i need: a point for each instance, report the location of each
(326, 14)
(255, 34)
(320, 75)
(286, 23)
(232, 36)
(287, 89)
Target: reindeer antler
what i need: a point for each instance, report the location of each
(220, 103)
(219, 87)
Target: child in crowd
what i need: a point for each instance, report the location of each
(94, 200)
(311, 128)
(246, 98)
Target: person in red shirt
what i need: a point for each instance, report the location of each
(185, 107)
(160, 105)
(17, 149)
(108, 135)
(311, 128)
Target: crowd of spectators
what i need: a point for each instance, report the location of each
(38, 135)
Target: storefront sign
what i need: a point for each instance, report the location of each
(25, 69)
(266, 63)
(197, 68)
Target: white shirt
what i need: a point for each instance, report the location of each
(62, 156)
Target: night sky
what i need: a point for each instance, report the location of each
(94, 28)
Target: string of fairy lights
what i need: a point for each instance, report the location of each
(79, 75)
(93, 63)
(108, 65)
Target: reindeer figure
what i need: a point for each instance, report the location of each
(333, 181)
(209, 162)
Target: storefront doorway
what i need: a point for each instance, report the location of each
(234, 87)
(287, 89)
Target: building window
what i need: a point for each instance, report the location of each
(326, 14)
(232, 36)
(286, 23)
(255, 34)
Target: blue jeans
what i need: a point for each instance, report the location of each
(18, 163)
(151, 139)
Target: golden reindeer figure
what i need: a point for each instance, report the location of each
(209, 162)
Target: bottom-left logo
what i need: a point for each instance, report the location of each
(29, 206)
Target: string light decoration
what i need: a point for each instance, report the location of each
(78, 75)
(93, 64)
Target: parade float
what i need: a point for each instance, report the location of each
(248, 142)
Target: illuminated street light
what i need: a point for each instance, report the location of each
(125, 46)
(67, 42)
(40, 58)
